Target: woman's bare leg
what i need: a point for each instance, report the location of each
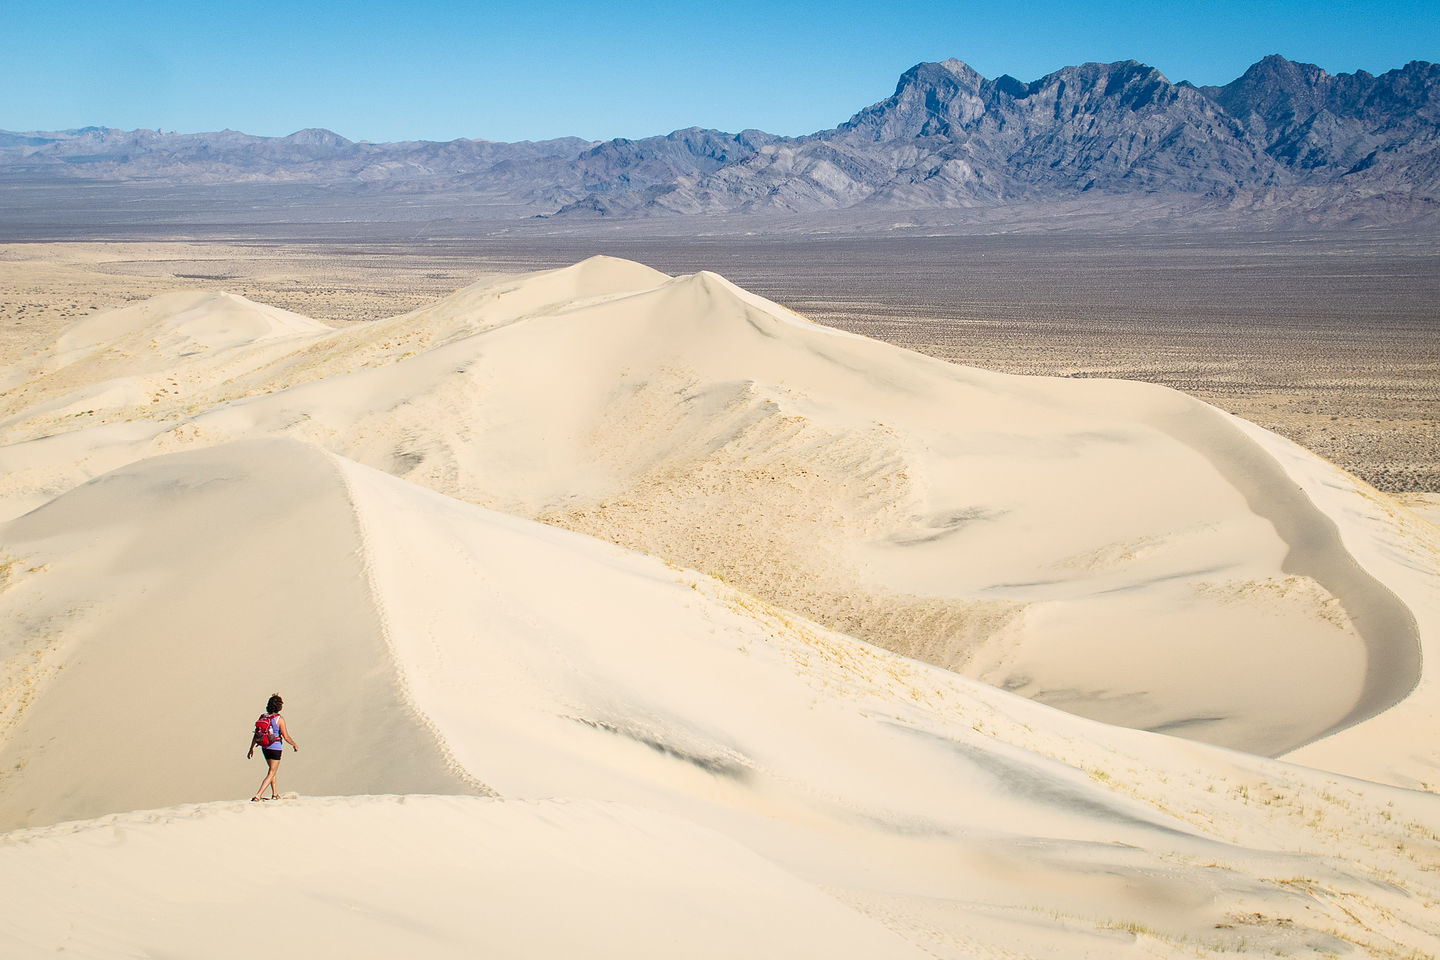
(269, 780)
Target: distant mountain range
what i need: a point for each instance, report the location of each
(1284, 135)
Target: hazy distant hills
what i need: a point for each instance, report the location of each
(1284, 136)
(309, 155)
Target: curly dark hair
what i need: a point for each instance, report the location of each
(274, 704)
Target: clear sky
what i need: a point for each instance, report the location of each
(512, 71)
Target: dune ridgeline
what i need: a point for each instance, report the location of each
(627, 615)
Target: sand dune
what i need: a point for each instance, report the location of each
(1116, 549)
(470, 878)
(827, 791)
(151, 604)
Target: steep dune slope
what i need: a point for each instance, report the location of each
(1117, 549)
(158, 606)
(427, 644)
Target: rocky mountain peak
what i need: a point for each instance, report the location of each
(931, 99)
(961, 70)
(1276, 89)
(1126, 85)
(317, 137)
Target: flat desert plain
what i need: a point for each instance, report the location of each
(624, 611)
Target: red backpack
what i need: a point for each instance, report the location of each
(264, 732)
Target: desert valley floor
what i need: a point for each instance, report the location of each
(629, 613)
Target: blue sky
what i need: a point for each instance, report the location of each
(512, 71)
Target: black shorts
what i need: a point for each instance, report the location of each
(273, 753)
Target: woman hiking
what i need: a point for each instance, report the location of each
(270, 736)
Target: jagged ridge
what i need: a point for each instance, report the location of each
(1283, 132)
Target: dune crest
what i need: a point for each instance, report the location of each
(166, 600)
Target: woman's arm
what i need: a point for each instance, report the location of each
(253, 740)
(285, 735)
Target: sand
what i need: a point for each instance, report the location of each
(1030, 532)
(331, 877)
(1325, 338)
(210, 498)
(924, 805)
(1423, 505)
